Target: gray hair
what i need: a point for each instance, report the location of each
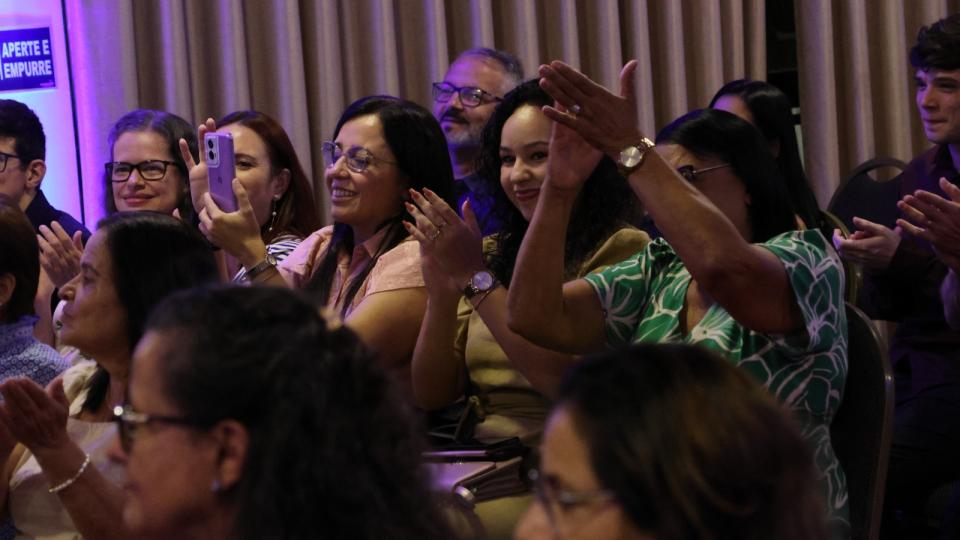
(508, 62)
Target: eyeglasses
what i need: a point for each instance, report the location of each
(152, 170)
(558, 502)
(688, 172)
(129, 422)
(3, 160)
(470, 96)
(358, 157)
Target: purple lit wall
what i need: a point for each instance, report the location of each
(21, 20)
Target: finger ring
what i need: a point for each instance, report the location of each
(436, 234)
(575, 109)
(441, 225)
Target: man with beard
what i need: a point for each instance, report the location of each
(463, 102)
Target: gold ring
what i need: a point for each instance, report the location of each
(436, 235)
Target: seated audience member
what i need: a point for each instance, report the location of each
(464, 345)
(730, 273)
(267, 167)
(768, 108)
(463, 102)
(902, 275)
(671, 442)
(936, 220)
(366, 266)
(145, 172)
(21, 355)
(275, 424)
(23, 148)
(60, 483)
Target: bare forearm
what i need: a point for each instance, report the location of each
(438, 376)
(543, 368)
(747, 280)
(94, 503)
(535, 299)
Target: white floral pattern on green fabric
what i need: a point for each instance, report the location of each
(644, 296)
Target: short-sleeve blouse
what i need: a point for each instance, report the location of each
(398, 268)
(643, 298)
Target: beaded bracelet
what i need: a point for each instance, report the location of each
(67, 483)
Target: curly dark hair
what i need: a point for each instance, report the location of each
(420, 148)
(770, 109)
(938, 45)
(605, 204)
(333, 447)
(20, 123)
(692, 447)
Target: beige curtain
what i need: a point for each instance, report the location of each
(304, 61)
(856, 83)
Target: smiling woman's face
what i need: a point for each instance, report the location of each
(524, 143)
(136, 193)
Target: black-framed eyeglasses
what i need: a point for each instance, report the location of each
(358, 157)
(690, 173)
(3, 160)
(153, 169)
(130, 421)
(557, 501)
(470, 96)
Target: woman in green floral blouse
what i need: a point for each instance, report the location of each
(729, 274)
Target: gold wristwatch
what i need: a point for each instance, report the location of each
(631, 157)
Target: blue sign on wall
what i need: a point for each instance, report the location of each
(26, 59)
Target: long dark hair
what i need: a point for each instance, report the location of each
(726, 136)
(333, 451)
(604, 205)
(172, 128)
(152, 256)
(418, 145)
(296, 210)
(770, 109)
(692, 447)
(19, 257)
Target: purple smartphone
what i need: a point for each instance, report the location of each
(218, 153)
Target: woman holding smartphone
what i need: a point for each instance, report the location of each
(365, 267)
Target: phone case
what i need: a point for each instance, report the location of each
(218, 153)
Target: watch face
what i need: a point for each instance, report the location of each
(630, 156)
(482, 280)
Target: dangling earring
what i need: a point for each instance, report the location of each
(273, 214)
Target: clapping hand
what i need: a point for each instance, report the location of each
(872, 245)
(936, 220)
(59, 253)
(34, 416)
(449, 245)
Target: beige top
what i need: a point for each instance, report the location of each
(398, 268)
(36, 512)
(510, 405)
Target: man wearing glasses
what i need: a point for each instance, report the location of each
(22, 168)
(462, 103)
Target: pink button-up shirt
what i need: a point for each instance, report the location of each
(398, 268)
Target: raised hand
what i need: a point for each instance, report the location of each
(455, 244)
(197, 171)
(236, 232)
(936, 220)
(59, 253)
(872, 245)
(572, 158)
(35, 416)
(606, 120)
